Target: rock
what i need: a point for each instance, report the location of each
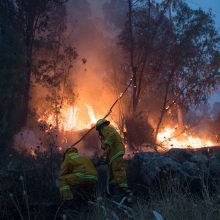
(214, 166)
(191, 168)
(151, 166)
(187, 168)
(209, 151)
(180, 155)
(199, 158)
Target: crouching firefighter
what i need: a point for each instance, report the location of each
(114, 149)
(78, 176)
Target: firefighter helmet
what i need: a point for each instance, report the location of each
(101, 122)
(71, 149)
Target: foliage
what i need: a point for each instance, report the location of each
(53, 63)
(20, 22)
(146, 39)
(174, 52)
(195, 54)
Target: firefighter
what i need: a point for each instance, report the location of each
(114, 149)
(76, 171)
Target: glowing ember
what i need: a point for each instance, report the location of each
(168, 140)
(33, 154)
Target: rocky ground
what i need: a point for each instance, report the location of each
(195, 169)
(182, 181)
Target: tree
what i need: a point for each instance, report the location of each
(174, 55)
(145, 32)
(20, 23)
(53, 62)
(146, 40)
(194, 58)
(32, 19)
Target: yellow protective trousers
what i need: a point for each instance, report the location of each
(118, 174)
(74, 179)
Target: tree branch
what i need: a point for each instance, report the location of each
(109, 111)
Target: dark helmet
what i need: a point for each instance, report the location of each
(101, 122)
(71, 149)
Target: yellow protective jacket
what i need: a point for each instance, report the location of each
(112, 139)
(80, 166)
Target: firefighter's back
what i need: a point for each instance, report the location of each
(82, 164)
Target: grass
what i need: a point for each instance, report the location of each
(32, 194)
(177, 206)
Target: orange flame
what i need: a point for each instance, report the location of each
(73, 118)
(72, 121)
(168, 140)
(78, 118)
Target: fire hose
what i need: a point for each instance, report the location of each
(109, 112)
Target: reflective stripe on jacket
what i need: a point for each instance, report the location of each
(114, 141)
(78, 165)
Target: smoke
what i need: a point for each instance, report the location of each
(96, 76)
(26, 140)
(97, 79)
(95, 39)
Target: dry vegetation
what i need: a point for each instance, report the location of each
(28, 191)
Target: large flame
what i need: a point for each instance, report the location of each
(76, 118)
(73, 118)
(167, 139)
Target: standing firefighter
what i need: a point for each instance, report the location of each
(112, 144)
(77, 173)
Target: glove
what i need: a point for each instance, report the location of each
(103, 161)
(66, 193)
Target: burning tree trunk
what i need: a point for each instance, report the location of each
(164, 107)
(180, 118)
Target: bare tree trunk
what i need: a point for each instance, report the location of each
(27, 79)
(149, 11)
(138, 72)
(29, 35)
(170, 12)
(134, 72)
